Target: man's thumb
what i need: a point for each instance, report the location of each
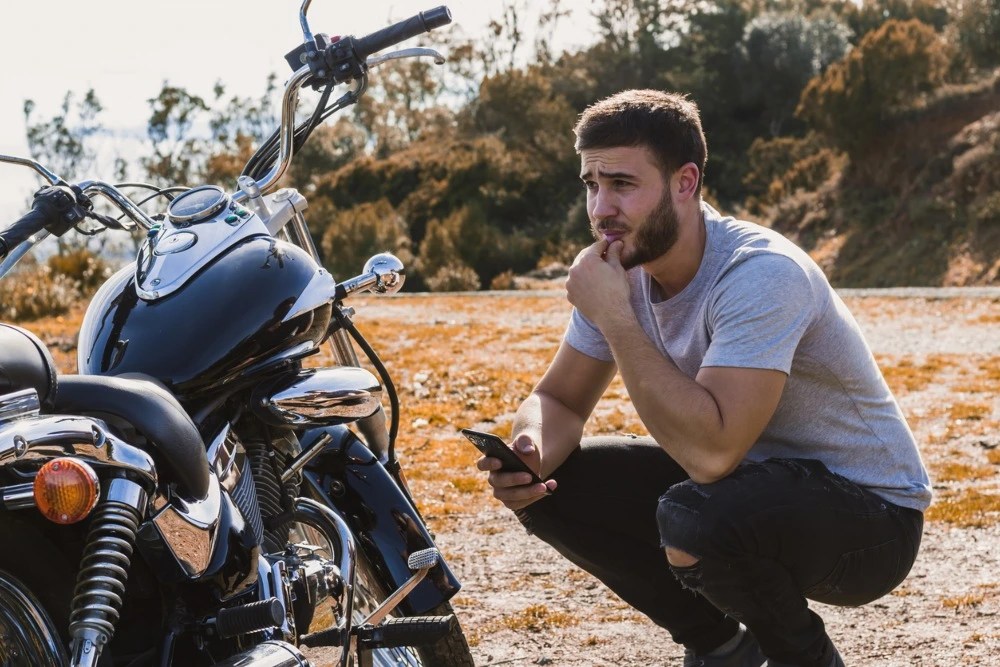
(524, 444)
(614, 254)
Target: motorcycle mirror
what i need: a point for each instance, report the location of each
(388, 271)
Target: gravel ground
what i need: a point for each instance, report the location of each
(522, 604)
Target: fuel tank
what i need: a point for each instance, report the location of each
(216, 325)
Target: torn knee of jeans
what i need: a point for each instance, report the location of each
(689, 576)
(680, 527)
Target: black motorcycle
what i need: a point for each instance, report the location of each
(195, 494)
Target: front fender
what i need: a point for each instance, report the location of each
(348, 476)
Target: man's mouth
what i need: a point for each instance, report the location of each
(612, 235)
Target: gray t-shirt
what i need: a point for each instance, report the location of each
(758, 301)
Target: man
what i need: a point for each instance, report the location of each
(779, 467)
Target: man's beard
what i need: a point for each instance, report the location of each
(654, 237)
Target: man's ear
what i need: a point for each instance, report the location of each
(685, 182)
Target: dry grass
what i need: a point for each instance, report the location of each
(968, 508)
(534, 618)
(906, 375)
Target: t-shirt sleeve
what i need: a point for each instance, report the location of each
(584, 336)
(758, 313)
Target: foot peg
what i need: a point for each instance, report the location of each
(414, 631)
(248, 618)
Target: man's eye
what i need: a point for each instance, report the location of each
(590, 185)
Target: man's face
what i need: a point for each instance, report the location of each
(628, 198)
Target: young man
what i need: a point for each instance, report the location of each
(779, 466)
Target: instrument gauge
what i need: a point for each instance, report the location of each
(198, 205)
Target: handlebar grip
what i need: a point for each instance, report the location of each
(26, 226)
(403, 30)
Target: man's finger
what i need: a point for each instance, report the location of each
(509, 479)
(488, 463)
(614, 254)
(516, 493)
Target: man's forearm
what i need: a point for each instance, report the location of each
(555, 429)
(680, 414)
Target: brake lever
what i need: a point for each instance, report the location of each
(413, 52)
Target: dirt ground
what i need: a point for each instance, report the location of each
(522, 604)
(468, 360)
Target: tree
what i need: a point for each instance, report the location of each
(854, 99)
(779, 54)
(62, 143)
(176, 152)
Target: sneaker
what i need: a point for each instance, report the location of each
(746, 654)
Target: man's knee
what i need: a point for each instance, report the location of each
(678, 558)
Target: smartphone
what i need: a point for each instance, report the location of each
(493, 445)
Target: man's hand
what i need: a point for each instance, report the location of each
(514, 489)
(597, 284)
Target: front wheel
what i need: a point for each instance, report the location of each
(27, 634)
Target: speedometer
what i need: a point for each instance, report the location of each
(198, 205)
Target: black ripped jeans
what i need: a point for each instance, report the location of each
(767, 537)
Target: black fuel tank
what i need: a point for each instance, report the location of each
(223, 321)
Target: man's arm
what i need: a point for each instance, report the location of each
(549, 424)
(706, 424)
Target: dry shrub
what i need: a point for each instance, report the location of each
(454, 277)
(81, 266)
(503, 281)
(36, 292)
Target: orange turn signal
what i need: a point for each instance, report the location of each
(66, 490)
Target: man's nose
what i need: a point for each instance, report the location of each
(603, 205)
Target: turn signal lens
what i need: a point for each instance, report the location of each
(66, 490)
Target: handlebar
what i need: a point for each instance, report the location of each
(403, 30)
(54, 208)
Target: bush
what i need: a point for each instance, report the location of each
(355, 234)
(81, 266)
(36, 292)
(454, 277)
(503, 281)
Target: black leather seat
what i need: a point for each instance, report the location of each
(25, 363)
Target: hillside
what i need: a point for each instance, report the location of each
(923, 208)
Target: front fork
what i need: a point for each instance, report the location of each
(100, 584)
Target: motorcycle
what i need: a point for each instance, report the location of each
(197, 494)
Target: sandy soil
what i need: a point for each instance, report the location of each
(522, 604)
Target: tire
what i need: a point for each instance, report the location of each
(36, 583)
(27, 634)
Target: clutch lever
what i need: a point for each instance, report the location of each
(413, 52)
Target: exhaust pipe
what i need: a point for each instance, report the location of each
(268, 654)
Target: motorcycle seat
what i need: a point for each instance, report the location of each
(153, 411)
(25, 363)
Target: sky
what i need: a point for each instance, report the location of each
(125, 50)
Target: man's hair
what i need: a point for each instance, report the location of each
(667, 124)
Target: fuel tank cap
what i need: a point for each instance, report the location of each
(176, 242)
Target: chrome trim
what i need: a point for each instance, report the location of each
(127, 206)
(305, 457)
(323, 397)
(190, 529)
(285, 206)
(306, 32)
(320, 291)
(19, 405)
(158, 275)
(328, 519)
(413, 52)
(204, 214)
(384, 273)
(224, 456)
(18, 496)
(127, 492)
(268, 654)
(47, 437)
(287, 129)
(45, 173)
(282, 588)
(20, 250)
(419, 561)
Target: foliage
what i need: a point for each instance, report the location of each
(454, 277)
(852, 102)
(355, 234)
(781, 166)
(85, 269)
(63, 143)
(978, 31)
(36, 291)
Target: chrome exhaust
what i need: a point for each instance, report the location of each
(268, 654)
(323, 397)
